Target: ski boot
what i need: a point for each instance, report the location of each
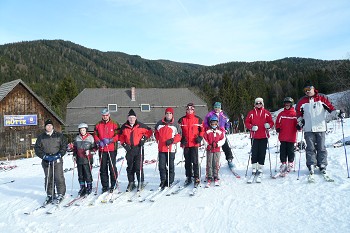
(290, 166)
(88, 188)
(188, 181)
(48, 200)
(82, 190)
(59, 199)
(208, 182)
(130, 187)
(196, 182)
(216, 182)
(230, 164)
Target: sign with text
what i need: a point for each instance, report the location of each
(20, 120)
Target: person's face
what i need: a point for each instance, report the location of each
(190, 109)
(168, 116)
(49, 128)
(309, 91)
(217, 110)
(132, 119)
(82, 131)
(287, 105)
(105, 117)
(258, 104)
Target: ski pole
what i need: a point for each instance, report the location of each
(99, 170)
(113, 168)
(346, 156)
(53, 178)
(168, 166)
(250, 153)
(74, 162)
(301, 141)
(47, 178)
(268, 148)
(229, 144)
(276, 155)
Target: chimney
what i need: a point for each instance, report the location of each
(133, 94)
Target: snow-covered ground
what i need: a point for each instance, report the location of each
(275, 205)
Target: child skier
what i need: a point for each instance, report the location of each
(214, 137)
(83, 145)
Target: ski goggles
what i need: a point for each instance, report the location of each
(307, 89)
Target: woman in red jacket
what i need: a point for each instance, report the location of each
(286, 123)
(259, 121)
(133, 135)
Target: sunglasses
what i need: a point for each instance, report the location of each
(307, 89)
(257, 103)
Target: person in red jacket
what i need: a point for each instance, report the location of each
(133, 135)
(286, 123)
(105, 135)
(167, 133)
(192, 135)
(214, 138)
(259, 121)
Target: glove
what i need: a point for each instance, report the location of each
(126, 147)
(255, 128)
(334, 114)
(299, 127)
(215, 145)
(51, 158)
(107, 141)
(142, 140)
(208, 147)
(198, 139)
(341, 114)
(278, 130)
(183, 141)
(74, 158)
(301, 122)
(267, 125)
(169, 141)
(100, 144)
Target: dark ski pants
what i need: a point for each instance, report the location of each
(227, 150)
(316, 152)
(135, 165)
(84, 173)
(54, 177)
(107, 161)
(259, 151)
(163, 162)
(213, 165)
(191, 162)
(287, 152)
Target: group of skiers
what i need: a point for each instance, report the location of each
(190, 131)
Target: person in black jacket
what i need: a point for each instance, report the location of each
(51, 146)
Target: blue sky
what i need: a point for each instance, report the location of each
(205, 32)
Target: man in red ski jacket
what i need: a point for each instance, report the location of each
(105, 136)
(192, 135)
(168, 134)
(133, 135)
(259, 121)
(286, 123)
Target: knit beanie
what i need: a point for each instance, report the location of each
(169, 110)
(132, 113)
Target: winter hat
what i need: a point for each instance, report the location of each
(48, 122)
(190, 105)
(169, 110)
(132, 113)
(105, 111)
(308, 83)
(259, 100)
(217, 105)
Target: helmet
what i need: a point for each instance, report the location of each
(214, 118)
(83, 125)
(288, 99)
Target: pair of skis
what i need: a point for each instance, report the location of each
(255, 178)
(326, 177)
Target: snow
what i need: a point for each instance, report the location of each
(275, 205)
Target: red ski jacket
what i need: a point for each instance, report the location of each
(286, 122)
(258, 117)
(166, 130)
(106, 130)
(132, 135)
(216, 136)
(192, 127)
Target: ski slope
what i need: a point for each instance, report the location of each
(276, 205)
